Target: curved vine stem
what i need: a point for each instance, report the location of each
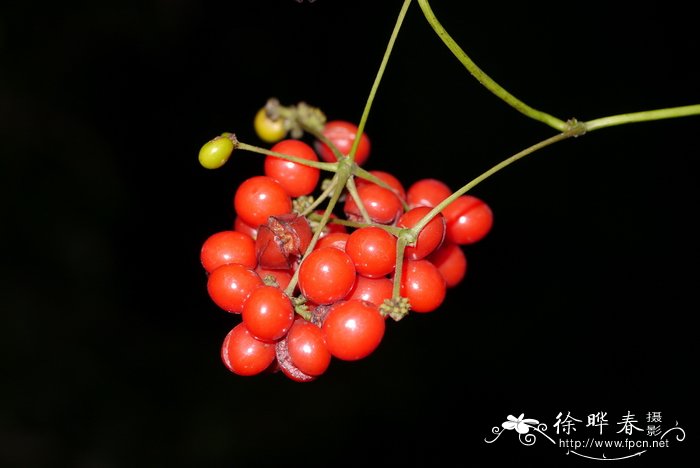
(482, 77)
(574, 129)
(378, 78)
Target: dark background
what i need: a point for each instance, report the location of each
(580, 299)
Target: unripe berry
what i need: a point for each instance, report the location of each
(268, 130)
(214, 153)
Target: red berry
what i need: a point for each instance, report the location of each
(469, 219)
(429, 238)
(228, 247)
(241, 226)
(383, 206)
(450, 259)
(296, 178)
(229, 286)
(353, 329)
(333, 239)
(342, 134)
(260, 197)
(374, 290)
(372, 250)
(390, 179)
(268, 313)
(307, 348)
(244, 355)
(285, 364)
(326, 275)
(423, 285)
(427, 192)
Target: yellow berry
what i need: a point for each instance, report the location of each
(216, 152)
(270, 131)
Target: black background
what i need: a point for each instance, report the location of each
(580, 299)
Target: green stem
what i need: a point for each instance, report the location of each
(658, 114)
(324, 139)
(325, 166)
(398, 270)
(482, 77)
(352, 190)
(576, 131)
(343, 172)
(365, 174)
(320, 198)
(378, 78)
(342, 175)
(357, 224)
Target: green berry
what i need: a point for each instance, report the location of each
(216, 152)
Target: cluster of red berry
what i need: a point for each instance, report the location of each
(311, 284)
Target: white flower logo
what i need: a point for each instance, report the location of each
(521, 426)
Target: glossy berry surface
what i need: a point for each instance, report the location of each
(287, 366)
(307, 348)
(429, 238)
(383, 205)
(372, 250)
(225, 247)
(469, 219)
(374, 290)
(241, 226)
(214, 153)
(229, 286)
(388, 178)
(260, 197)
(423, 285)
(427, 192)
(353, 329)
(333, 239)
(244, 355)
(451, 261)
(268, 130)
(326, 275)
(268, 313)
(297, 179)
(342, 134)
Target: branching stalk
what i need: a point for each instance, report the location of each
(321, 198)
(482, 77)
(352, 190)
(337, 192)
